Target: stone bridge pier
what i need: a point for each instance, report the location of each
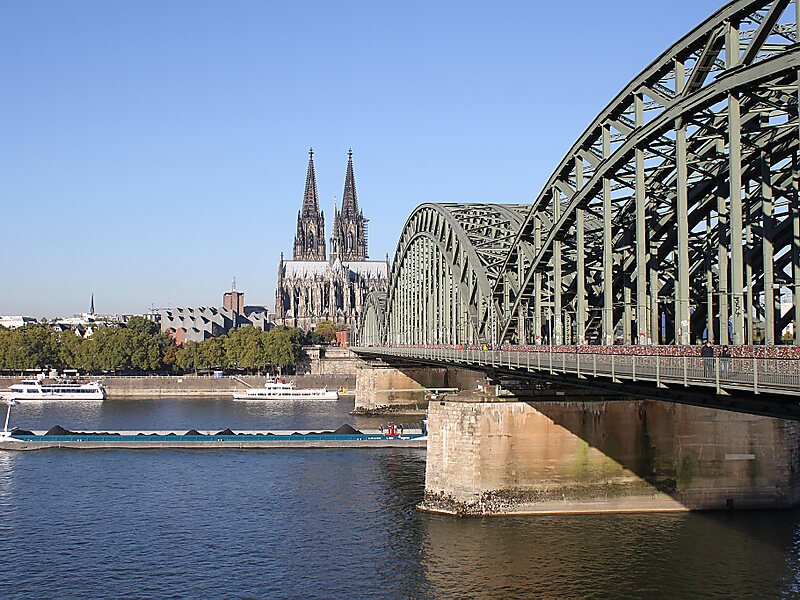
(381, 387)
(487, 456)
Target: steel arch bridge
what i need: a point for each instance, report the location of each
(675, 216)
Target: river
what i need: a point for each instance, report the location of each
(331, 523)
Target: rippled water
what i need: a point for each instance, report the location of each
(305, 523)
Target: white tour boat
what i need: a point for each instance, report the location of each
(277, 390)
(34, 390)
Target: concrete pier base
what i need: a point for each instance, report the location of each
(493, 458)
(383, 388)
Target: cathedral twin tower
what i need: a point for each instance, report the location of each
(313, 287)
(349, 236)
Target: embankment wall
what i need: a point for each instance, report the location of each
(190, 385)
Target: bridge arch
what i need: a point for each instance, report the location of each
(674, 215)
(445, 266)
(372, 326)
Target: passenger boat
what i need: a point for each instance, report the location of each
(278, 390)
(34, 390)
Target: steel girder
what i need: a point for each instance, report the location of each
(446, 264)
(676, 213)
(372, 330)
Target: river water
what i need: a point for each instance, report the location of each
(331, 523)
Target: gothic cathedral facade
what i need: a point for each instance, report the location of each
(315, 286)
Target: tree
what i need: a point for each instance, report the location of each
(33, 347)
(213, 352)
(188, 356)
(284, 345)
(170, 354)
(326, 331)
(141, 325)
(73, 351)
(114, 348)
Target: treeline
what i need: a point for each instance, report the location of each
(244, 348)
(140, 346)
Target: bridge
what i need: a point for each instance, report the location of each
(675, 217)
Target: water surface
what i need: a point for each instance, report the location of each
(332, 523)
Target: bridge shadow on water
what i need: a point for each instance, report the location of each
(674, 555)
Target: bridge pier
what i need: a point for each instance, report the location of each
(384, 388)
(488, 457)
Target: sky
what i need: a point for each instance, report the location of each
(150, 151)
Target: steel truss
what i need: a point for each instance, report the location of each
(446, 264)
(675, 215)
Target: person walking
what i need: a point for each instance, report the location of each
(707, 353)
(725, 361)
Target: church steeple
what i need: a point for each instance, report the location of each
(310, 198)
(349, 198)
(309, 241)
(349, 237)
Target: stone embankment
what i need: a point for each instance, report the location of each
(418, 409)
(191, 385)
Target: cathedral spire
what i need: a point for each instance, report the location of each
(309, 241)
(310, 198)
(349, 198)
(349, 236)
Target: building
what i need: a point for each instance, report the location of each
(16, 321)
(203, 322)
(315, 286)
(233, 300)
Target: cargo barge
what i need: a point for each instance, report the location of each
(345, 436)
(243, 441)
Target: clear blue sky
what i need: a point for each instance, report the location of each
(151, 150)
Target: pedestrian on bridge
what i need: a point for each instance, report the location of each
(708, 354)
(725, 360)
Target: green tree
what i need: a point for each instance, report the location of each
(284, 345)
(73, 351)
(142, 325)
(214, 352)
(326, 332)
(170, 352)
(245, 348)
(33, 347)
(112, 348)
(188, 356)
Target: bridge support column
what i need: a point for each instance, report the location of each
(381, 388)
(723, 237)
(516, 457)
(557, 276)
(642, 302)
(609, 333)
(580, 262)
(537, 285)
(795, 216)
(732, 58)
(767, 253)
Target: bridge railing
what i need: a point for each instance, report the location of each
(751, 373)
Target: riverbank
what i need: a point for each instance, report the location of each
(417, 410)
(155, 386)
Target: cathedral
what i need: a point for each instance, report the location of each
(315, 286)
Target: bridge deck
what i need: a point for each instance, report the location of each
(754, 374)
